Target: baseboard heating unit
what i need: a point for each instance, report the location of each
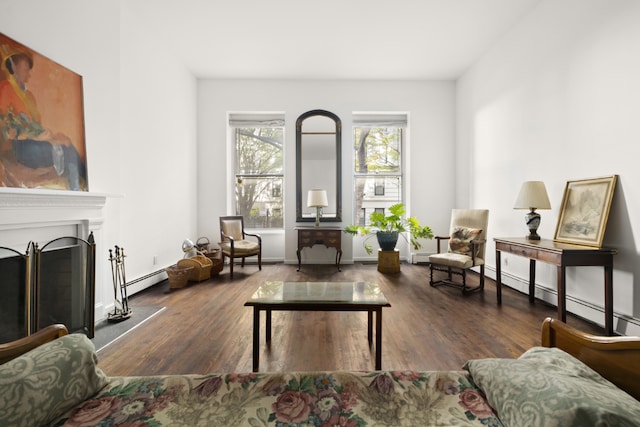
(420, 257)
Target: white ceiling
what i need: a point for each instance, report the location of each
(329, 39)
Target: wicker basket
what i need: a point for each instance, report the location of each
(178, 276)
(201, 267)
(202, 244)
(217, 266)
(216, 259)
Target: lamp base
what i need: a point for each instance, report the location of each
(533, 222)
(533, 236)
(318, 215)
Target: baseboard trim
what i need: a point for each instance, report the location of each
(623, 324)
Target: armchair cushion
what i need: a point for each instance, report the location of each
(460, 240)
(241, 247)
(452, 259)
(46, 382)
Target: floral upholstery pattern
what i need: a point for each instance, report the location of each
(347, 399)
(59, 384)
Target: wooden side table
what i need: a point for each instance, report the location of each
(330, 237)
(562, 255)
(389, 261)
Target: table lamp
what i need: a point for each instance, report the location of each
(317, 199)
(533, 195)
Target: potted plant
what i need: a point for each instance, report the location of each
(387, 228)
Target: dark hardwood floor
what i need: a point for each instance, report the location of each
(206, 327)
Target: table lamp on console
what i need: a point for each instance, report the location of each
(317, 199)
(532, 196)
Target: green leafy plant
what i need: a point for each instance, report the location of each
(394, 220)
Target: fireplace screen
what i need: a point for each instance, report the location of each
(15, 284)
(52, 284)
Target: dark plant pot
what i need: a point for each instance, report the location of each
(387, 240)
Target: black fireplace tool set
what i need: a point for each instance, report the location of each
(121, 310)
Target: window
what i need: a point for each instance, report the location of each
(259, 178)
(276, 190)
(378, 164)
(379, 190)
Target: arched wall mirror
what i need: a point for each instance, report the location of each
(318, 164)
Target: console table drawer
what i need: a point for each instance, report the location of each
(525, 252)
(319, 233)
(329, 235)
(531, 253)
(319, 236)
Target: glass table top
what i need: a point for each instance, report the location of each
(275, 292)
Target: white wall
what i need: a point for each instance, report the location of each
(157, 163)
(139, 108)
(431, 109)
(556, 100)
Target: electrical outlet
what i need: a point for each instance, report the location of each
(155, 260)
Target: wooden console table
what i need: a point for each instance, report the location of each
(561, 255)
(331, 237)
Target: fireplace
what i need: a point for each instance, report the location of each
(39, 269)
(47, 285)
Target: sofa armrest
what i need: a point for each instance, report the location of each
(16, 348)
(44, 383)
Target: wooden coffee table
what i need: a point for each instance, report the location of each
(317, 296)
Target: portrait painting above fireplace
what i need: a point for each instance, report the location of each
(42, 135)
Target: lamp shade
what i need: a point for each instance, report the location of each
(533, 195)
(317, 199)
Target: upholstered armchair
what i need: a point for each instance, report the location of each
(465, 250)
(233, 242)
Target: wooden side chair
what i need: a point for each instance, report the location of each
(233, 242)
(466, 249)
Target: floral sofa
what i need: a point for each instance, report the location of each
(60, 384)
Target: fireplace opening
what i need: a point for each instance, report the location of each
(15, 269)
(59, 288)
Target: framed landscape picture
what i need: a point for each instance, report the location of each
(42, 134)
(585, 211)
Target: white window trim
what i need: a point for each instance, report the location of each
(246, 117)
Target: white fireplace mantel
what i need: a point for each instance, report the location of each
(39, 216)
(15, 198)
(24, 209)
